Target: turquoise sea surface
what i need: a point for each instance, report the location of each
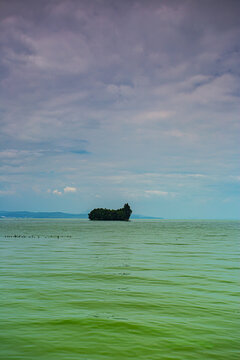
(144, 289)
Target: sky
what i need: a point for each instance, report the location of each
(105, 102)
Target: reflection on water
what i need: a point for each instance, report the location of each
(74, 289)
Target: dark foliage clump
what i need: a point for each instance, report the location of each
(122, 214)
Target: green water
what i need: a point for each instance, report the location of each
(75, 289)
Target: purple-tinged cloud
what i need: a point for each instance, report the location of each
(101, 94)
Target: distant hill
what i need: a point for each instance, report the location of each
(136, 216)
(41, 215)
(55, 215)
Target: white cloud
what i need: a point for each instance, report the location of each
(156, 192)
(196, 175)
(69, 189)
(153, 116)
(56, 192)
(6, 192)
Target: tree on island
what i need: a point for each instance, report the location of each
(122, 214)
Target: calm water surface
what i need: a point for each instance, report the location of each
(152, 290)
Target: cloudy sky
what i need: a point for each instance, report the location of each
(104, 102)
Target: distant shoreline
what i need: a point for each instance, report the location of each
(55, 215)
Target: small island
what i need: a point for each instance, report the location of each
(122, 214)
